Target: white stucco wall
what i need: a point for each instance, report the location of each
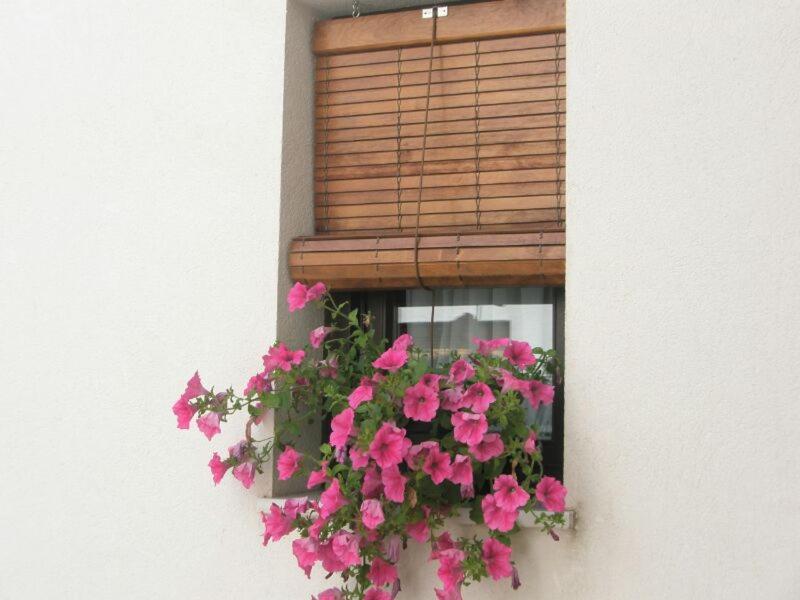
(140, 229)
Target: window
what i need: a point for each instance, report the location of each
(531, 314)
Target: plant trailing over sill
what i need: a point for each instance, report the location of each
(378, 488)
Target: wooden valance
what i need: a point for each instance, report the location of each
(483, 108)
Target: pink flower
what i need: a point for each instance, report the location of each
(451, 594)
(209, 424)
(294, 506)
(519, 354)
(431, 380)
(420, 402)
(394, 484)
(462, 470)
(537, 393)
(479, 396)
(551, 494)
(372, 486)
(453, 399)
(497, 558)
(329, 368)
(358, 458)
(305, 550)
(391, 360)
(329, 594)
(403, 342)
(392, 546)
(341, 428)
(440, 544)
(288, 463)
(437, 465)
(530, 443)
(381, 572)
(182, 408)
(486, 347)
(319, 477)
(489, 447)
(345, 547)
(276, 524)
(451, 571)
(371, 513)
(389, 445)
(460, 371)
(469, 428)
(218, 468)
(376, 594)
(418, 453)
(330, 562)
(331, 500)
(282, 357)
(363, 393)
(300, 295)
(318, 335)
(245, 473)
(496, 517)
(510, 383)
(419, 531)
(508, 495)
(257, 384)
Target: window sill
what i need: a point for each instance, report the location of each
(525, 520)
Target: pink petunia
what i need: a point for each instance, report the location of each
(451, 568)
(440, 544)
(509, 383)
(453, 399)
(331, 500)
(479, 396)
(318, 335)
(469, 428)
(530, 443)
(374, 593)
(288, 463)
(551, 493)
(183, 409)
(341, 428)
(394, 484)
(460, 371)
(363, 393)
(497, 558)
(245, 473)
(381, 572)
(437, 465)
(486, 347)
(461, 473)
(330, 561)
(391, 360)
(488, 448)
(258, 384)
(508, 494)
(316, 291)
(496, 517)
(371, 513)
(451, 594)
(329, 594)
(209, 424)
(276, 524)
(403, 342)
(536, 393)
(372, 486)
(420, 402)
(431, 380)
(218, 468)
(319, 477)
(282, 357)
(294, 506)
(345, 547)
(391, 547)
(358, 458)
(300, 295)
(419, 531)
(305, 551)
(389, 445)
(519, 354)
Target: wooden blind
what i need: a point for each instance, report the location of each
(489, 207)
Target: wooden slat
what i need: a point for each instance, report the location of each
(502, 18)
(467, 205)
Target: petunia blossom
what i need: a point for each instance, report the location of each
(496, 517)
(245, 473)
(305, 551)
(479, 397)
(537, 392)
(389, 445)
(391, 360)
(331, 500)
(282, 357)
(218, 468)
(431, 380)
(363, 393)
(461, 471)
(530, 443)
(345, 547)
(372, 513)
(437, 465)
(420, 402)
(381, 572)
(300, 295)
(551, 493)
(440, 544)
(329, 594)
(497, 558)
(451, 569)
(403, 342)
(358, 458)
(419, 531)
(391, 547)
(374, 593)
(276, 524)
(451, 594)
(460, 371)
(258, 384)
(316, 291)
(288, 463)
(508, 494)
(183, 409)
(294, 506)
(486, 347)
(469, 428)
(394, 484)
(372, 486)
(341, 428)
(519, 354)
(319, 477)
(488, 448)
(453, 399)
(209, 424)
(318, 335)
(330, 560)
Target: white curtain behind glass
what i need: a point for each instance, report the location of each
(521, 313)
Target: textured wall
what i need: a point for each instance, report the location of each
(140, 229)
